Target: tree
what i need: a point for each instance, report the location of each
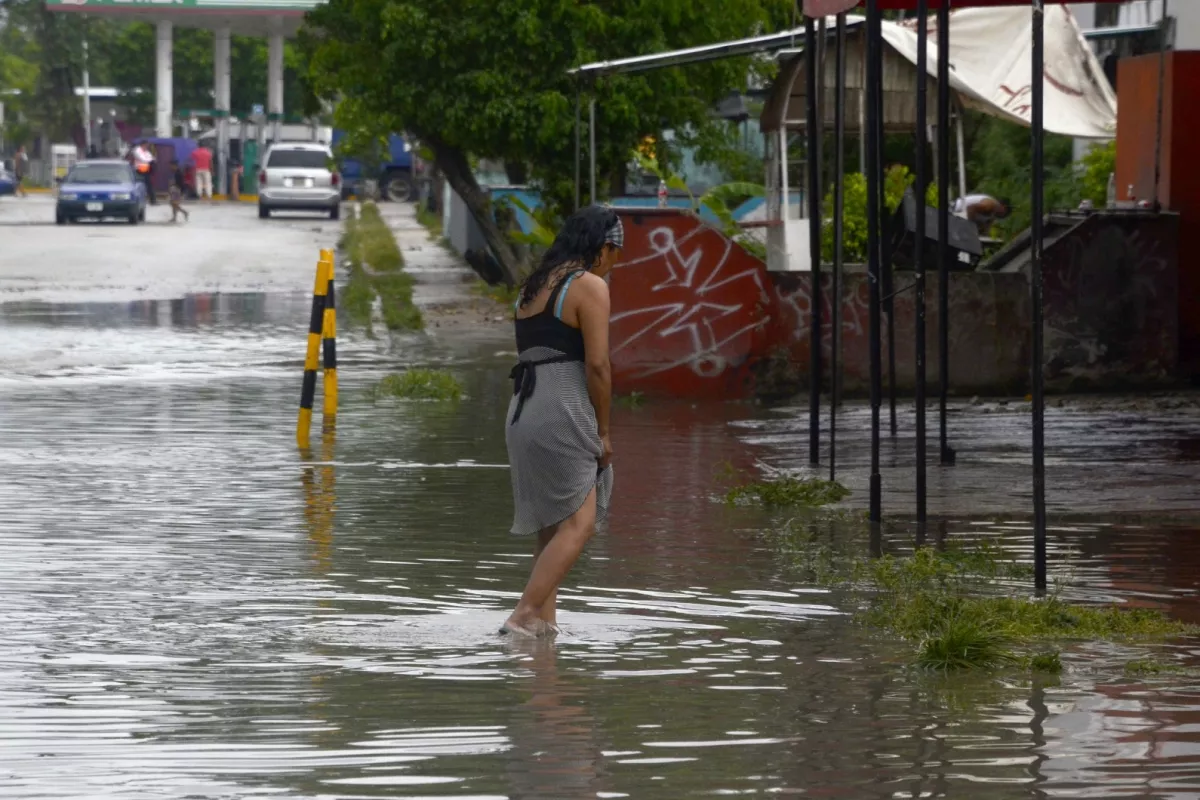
(489, 78)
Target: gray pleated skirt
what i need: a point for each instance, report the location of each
(554, 446)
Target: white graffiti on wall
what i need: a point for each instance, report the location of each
(707, 326)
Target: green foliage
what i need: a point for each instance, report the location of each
(788, 492)
(1142, 667)
(854, 216)
(418, 384)
(502, 295)
(489, 77)
(1096, 166)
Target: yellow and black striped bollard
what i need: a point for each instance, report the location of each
(315, 325)
(329, 343)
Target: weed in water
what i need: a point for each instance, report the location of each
(418, 384)
(788, 492)
(1046, 662)
(965, 640)
(631, 400)
(1149, 666)
(375, 267)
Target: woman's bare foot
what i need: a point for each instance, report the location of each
(529, 626)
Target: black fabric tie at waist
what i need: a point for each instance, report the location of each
(524, 378)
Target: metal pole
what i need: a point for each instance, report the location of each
(1035, 284)
(874, 80)
(839, 193)
(87, 97)
(578, 155)
(814, 243)
(1158, 124)
(919, 249)
(943, 182)
(592, 146)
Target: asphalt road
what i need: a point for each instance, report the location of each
(224, 248)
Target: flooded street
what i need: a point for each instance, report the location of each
(195, 609)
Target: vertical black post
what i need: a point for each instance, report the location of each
(1162, 85)
(1035, 288)
(578, 154)
(943, 182)
(874, 89)
(814, 231)
(839, 192)
(919, 249)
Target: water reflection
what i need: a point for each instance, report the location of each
(193, 609)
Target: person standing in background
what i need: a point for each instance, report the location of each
(202, 162)
(21, 170)
(143, 163)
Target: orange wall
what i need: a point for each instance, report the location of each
(1179, 186)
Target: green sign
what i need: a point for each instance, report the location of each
(242, 6)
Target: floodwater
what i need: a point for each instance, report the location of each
(193, 608)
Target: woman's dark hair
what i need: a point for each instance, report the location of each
(578, 242)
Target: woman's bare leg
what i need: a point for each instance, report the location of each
(548, 610)
(553, 564)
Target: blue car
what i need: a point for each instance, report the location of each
(8, 182)
(101, 190)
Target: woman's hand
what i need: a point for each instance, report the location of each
(607, 456)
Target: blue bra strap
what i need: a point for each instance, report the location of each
(562, 295)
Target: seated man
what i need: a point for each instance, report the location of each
(982, 209)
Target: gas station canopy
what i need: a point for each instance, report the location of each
(241, 17)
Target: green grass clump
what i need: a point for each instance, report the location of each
(1149, 666)
(964, 641)
(430, 220)
(1050, 662)
(788, 492)
(501, 294)
(957, 606)
(631, 400)
(418, 384)
(376, 267)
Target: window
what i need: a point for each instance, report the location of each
(298, 159)
(100, 173)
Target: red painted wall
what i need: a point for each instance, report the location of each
(1179, 186)
(696, 316)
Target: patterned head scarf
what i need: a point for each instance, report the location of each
(615, 235)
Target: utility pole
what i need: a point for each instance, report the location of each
(87, 97)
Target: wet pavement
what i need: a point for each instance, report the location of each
(195, 609)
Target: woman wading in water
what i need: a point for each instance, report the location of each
(557, 426)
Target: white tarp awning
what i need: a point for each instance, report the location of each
(990, 55)
(990, 58)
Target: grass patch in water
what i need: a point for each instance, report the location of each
(376, 267)
(788, 492)
(631, 400)
(1149, 666)
(418, 384)
(958, 609)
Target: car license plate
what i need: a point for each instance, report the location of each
(95, 206)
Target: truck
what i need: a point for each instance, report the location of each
(396, 179)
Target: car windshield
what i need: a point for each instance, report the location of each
(99, 173)
(299, 159)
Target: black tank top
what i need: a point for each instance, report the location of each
(546, 328)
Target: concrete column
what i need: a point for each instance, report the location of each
(275, 83)
(164, 87)
(221, 100)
